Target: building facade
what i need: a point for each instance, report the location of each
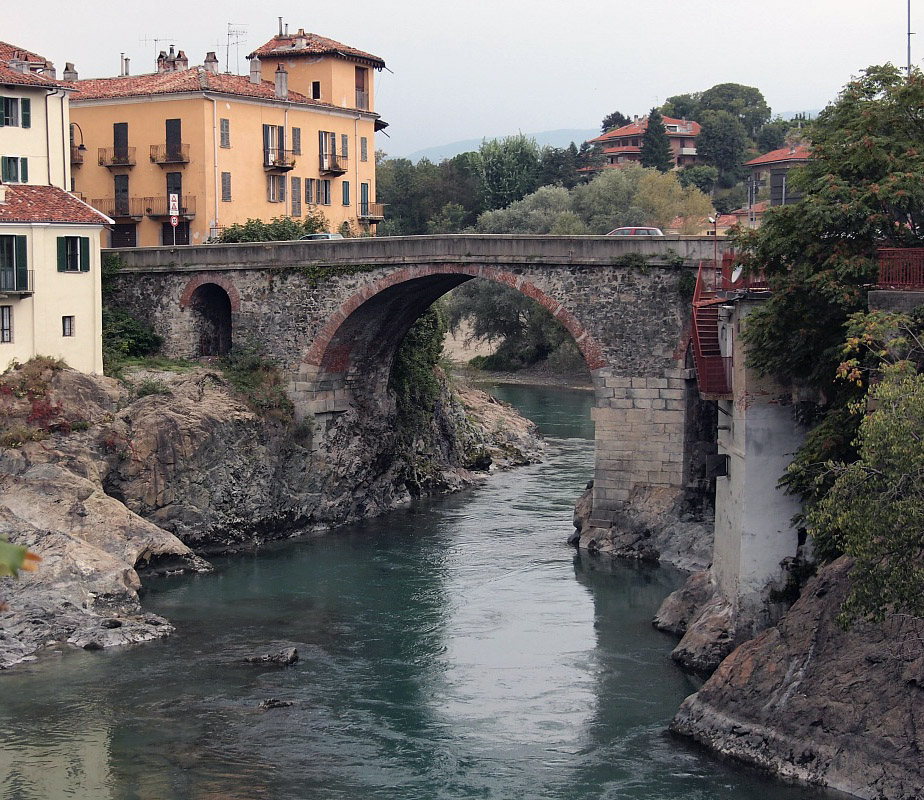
(231, 147)
(50, 287)
(771, 170)
(624, 145)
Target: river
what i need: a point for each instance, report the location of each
(455, 649)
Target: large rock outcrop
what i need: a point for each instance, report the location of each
(810, 701)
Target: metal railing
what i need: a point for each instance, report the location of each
(16, 282)
(333, 163)
(117, 156)
(277, 158)
(170, 153)
(713, 370)
(901, 268)
(362, 100)
(138, 207)
(371, 210)
(160, 206)
(77, 154)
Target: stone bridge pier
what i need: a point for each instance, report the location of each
(334, 313)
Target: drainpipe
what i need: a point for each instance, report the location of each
(356, 167)
(285, 178)
(215, 157)
(50, 93)
(65, 144)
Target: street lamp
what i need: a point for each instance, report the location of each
(81, 148)
(715, 240)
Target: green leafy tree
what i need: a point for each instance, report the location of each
(656, 147)
(723, 143)
(703, 176)
(683, 106)
(613, 120)
(451, 219)
(413, 378)
(558, 166)
(277, 229)
(609, 200)
(772, 136)
(662, 199)
(509, 170)
(744, 103)
(538, 212)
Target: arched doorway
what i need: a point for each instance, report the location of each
(211, 308)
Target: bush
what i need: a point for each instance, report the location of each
(413, 378)
(151, 386)
(259, 381)
(277, 229)
(124, 336)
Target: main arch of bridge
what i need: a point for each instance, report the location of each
(339, 333)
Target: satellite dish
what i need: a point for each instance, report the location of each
(736, 274)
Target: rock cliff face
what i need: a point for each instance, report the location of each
(120, 484)
(810, 701)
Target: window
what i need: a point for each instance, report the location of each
(73, 254)
(124, 235)
(315, 90)
(274, 145)
(344, 145)
(6, 324)
(224, 133)
(178, 235)
(226, 187)
(14, 169)
(296, 197)
(324, 192)
(346, 193)
(276, 188)
(309, 191)
(296, 141)
(363, 148)
(16, 112)
(14, 267)
(67, 326)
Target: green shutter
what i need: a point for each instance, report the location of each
(62, 254)
(22, 263)
(24, 170)
(84, 253)
(25, 113)
(4, 165)
(2, 111)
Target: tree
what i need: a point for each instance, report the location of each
(508, 168)
(662, 199)
(276, 230)
(703, 176)
(682, 106)
(608, 201)
(772, 136)
(614, 120)
(745, 103)
(723, 142)
(656, 147)
(451, 219)
(538, 212)
(558, 167)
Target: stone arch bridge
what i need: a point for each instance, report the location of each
(334, 312)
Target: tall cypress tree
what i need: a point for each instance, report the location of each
(656, 147)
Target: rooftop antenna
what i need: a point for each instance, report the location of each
(236, 35)
(157, 40)
(910, 34)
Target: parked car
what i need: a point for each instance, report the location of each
(634, 231)
(320, 236)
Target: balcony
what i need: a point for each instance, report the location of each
(333, 164)
(120, 207)
(170, 153)
(277, 158)
(160, 206)
(901, 268)
(372, 212)
(362, 100)
(77, 155)
(16, 282)
(117, 156)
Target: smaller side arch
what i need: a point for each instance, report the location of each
(210, 277)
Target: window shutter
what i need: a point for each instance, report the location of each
(297, 141)
(346, 193)
(363, 149)
(269, 188)
(62, 254)
(84, 253)
(225, 126)
(226, 186)
(24, 170)
(22, 263)
(4, 165)
(282, 188)
(25, 113)
(2, 112)
(344, 145)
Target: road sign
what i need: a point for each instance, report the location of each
(174, 221)
(174, 203)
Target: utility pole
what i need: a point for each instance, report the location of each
(910, 34)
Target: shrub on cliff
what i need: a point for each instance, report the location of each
(413, 380)
(259, 381)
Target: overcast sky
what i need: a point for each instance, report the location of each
(485, 68)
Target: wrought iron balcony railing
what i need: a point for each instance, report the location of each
(372, 211)
(901, 268)
(277, 158)
(333, 164)
(13, 281)
(120, 207)
(170, 153)
(160, 206)
(77, 154)
(117, 156)
(362, 100)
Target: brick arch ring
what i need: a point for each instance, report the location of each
(211, 277)
(589, 347)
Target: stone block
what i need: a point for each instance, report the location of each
(641, 402)
(659, 405)
(646, 394)
(672, 394)
(617, 382)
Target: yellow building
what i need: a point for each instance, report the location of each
(296, 134)
(50, 301)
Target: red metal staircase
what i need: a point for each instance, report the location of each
(713, 371)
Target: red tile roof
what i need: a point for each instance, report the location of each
(28, 203)
(800, 152)
(310, 44)
(8, 52)
(15, 77)
(638, 127)
(197, 79)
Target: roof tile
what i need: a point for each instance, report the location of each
(638, 127)
(310, 44)
(800, 152)
(28, 203)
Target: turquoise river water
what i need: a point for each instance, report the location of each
(454, 649)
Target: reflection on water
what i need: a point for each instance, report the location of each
(455, 649)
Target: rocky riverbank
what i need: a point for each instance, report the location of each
(103, 480)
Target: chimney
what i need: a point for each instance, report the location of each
(162, 62)
(127, 72)
(70, 74)
(255, 70)
(280, 26)
(121, 64)
(181, 61)
(282, 83)
(211, 62)
(287, 29)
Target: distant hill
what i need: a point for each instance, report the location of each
(559, 138)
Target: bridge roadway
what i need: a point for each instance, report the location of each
(334, 312)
